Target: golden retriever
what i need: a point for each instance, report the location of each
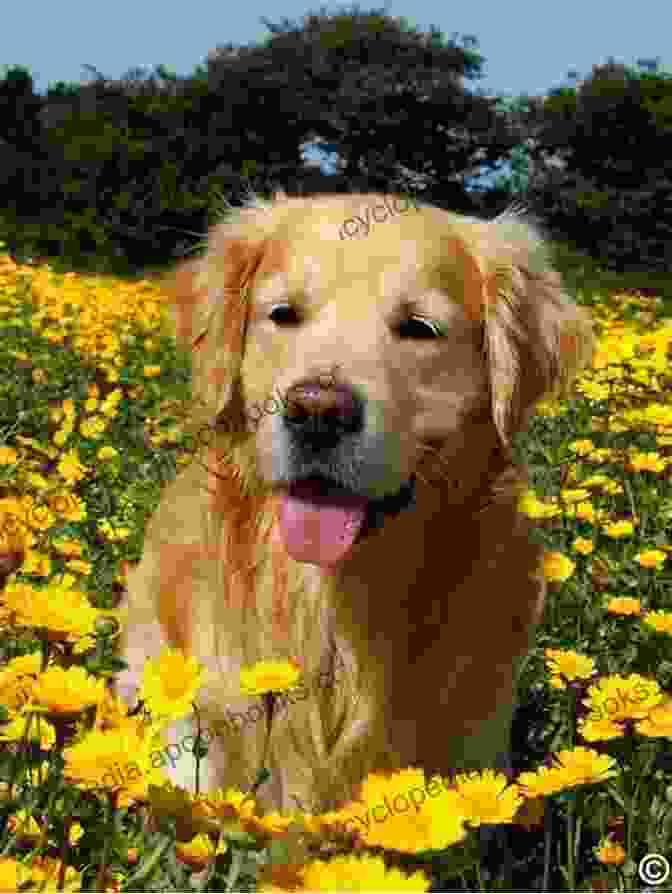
(372, 521)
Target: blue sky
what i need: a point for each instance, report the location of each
(528, 46)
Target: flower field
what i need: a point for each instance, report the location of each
(89, 434)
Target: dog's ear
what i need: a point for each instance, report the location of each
(536, 339)
(210, 306)
(187, 289)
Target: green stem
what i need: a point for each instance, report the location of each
(571, 695)
(64, 852)
(46, 649)
(100, 878)
(269, 701)
(197, 747)
(571, 867)
(548, 839)
(479, 876)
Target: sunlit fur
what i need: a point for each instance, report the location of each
(431, 615)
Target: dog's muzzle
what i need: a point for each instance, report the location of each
(326, 508)
(387, 507)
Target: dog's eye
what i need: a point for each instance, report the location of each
(284, 315)
(419, 327)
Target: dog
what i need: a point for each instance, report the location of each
(372, 523)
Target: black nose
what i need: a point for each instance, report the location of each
(320, 416)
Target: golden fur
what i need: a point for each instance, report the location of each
(427, 617)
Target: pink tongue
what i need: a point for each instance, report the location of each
(319, 528)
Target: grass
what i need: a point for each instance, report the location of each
(86, 444)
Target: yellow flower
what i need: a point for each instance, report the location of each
(619, 529)
(76, 833)
(621, 698)
(583, 766)
(602, 455)
(352, 873)
(68, 547)
(107, 452)
(658, 722)
(577, 495)
(487, 797)
(61, 691)
(593, 390)
(61, 612)
(583, 545)
(119, 760)
(610, 853)
(36, 481)
(600, 730)
(557, 567)
(114, 397)
(196, 853)
(584, 511)
(21, 668)
(551, 408)
(531, 506)
(61, 436)
(16, 693)
(416, 815)
(68, 408)
(660, 621)
(224, 804)
(542, 782)
(80, 567)
(582, 447)
(36, 563)
(647, 462)
(191, 814)
(12, 874)
(170, 684)
(109, 408)
(93, 427)
(40, 518)
(112, 712)
(651, 558)
(36, 728)
(624, 605)
(69, 506)
(271, 825)
(8, 456)
(44, 872)
(113, 533)
(151, 371)
(70, 468)
(24, 826)
(269, 676)
(569, 664)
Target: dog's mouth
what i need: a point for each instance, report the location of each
(320, 520)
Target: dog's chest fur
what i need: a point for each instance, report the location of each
(384, 694)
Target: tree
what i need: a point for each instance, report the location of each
(613, 196)
(388, 100)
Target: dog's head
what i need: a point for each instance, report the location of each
(345, 358)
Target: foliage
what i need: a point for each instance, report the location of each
(128, 169)
(610, 188)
